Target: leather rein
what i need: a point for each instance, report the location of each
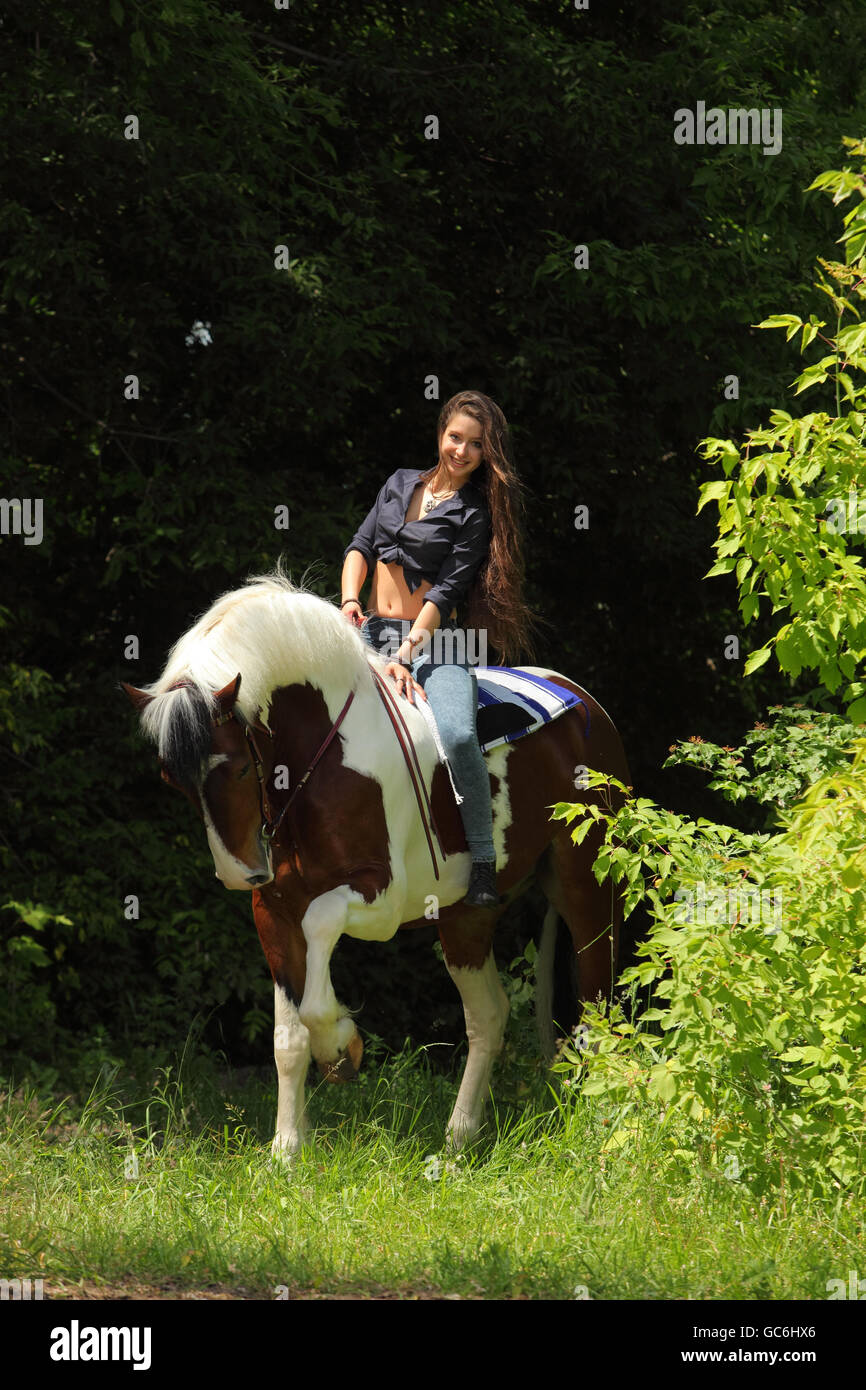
(398, 723)
(271, 824)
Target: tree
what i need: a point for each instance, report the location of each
(263, 383)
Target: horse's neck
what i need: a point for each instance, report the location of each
(302, 715)
(299, 719)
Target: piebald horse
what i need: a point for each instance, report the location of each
(309, 806)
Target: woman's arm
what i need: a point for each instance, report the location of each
(354, 575)
(411, 647)
(419, 634)
(462, 564)
(351, 584)
(360, 556)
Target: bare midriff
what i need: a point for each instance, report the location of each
(390, 596)
(389, 592)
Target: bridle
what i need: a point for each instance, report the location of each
(270, 824)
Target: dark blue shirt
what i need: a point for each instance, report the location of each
(446, 547)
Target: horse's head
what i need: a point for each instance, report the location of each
(205, 753)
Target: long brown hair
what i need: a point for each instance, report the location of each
(496, 600)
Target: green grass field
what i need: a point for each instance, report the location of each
(375, 1208)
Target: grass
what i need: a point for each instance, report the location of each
(538, 1210)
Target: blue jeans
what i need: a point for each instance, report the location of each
(451, 690)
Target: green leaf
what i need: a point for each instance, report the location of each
(663, 1083)
(756, 659)
(811, 377)
(716, 490)
(139, 48)
(789, 321)
(721, 567)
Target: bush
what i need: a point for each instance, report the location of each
(753, 1048)
(757, 1031)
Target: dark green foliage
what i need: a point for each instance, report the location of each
(775, 763)
(407, 257)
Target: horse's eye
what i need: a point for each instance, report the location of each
(244, 771)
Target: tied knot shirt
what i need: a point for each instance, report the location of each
(446, 547)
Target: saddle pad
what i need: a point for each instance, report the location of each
(513, 703)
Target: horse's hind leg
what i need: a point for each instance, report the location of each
(472, 967)
(591, 910)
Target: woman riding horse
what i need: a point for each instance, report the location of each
(436, 539)
(271, 680)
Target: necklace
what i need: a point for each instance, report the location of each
(435, 498)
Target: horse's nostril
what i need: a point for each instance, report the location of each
(256, 879)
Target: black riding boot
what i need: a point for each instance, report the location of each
(482, 885)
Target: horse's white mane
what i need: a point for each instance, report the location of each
(270, 631)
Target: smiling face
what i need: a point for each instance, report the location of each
(460, 450)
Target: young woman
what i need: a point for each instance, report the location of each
(436, 542)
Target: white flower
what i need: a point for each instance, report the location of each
(199, 333)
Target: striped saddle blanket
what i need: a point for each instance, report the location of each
(511, 704)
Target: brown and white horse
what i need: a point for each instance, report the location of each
(250, 717)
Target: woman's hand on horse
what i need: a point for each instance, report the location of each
(354, 613)
(404, 680)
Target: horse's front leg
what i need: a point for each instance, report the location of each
(472, 967)
(292, 1058)
(335, 1041)
(278, 925)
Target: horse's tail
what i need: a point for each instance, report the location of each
(557, 1000)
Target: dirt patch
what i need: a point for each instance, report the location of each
(134, 1290)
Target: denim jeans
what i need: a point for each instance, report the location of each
(451, 690)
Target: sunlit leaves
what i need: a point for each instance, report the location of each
(804, 534)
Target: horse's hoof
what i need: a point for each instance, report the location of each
(347, 1066)
(339, 1070)
(356, 1052)
(282, 1156)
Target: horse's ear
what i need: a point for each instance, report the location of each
(139, 698)
(226, 697)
